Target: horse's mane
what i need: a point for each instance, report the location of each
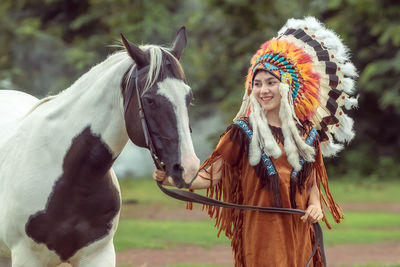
(156, 54)
(37, 104)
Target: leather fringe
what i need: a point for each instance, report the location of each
(322, 179)
(229, 189)
(271, 183)
(229, 221)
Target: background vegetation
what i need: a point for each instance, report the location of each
(46, 44)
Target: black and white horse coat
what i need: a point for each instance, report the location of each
(59, 197)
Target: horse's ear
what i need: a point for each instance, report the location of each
(179, 43)
(135, 52)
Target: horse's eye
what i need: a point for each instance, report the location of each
(150, 102)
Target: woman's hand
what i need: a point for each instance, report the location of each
(159, 175)
(313, 214)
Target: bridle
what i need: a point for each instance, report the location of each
(193, 197)
(129, 88)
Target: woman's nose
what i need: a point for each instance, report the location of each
(265, 88)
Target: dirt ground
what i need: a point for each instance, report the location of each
(220, 255)
(342, 255)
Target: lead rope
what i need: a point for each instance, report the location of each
(194, 197)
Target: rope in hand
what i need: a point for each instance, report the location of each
(193, 197)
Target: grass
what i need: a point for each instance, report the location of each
(357, 227)
(166, 234)
(145, 191)
(347, 191)
(135, 231)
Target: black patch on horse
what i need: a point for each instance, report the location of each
(159, 113)
(84, 200)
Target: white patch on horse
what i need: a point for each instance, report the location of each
(168, 88)
(43, 142)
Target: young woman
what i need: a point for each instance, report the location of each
(272, 154)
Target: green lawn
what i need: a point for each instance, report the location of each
(365, 192)
(146, 191)
(136, 231)
(358, 227)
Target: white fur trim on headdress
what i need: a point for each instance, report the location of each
(293, 143)
(262, 135)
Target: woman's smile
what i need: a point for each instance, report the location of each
(267, 98)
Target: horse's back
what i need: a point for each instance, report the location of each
(14, 105)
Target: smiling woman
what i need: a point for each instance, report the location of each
(271, 155)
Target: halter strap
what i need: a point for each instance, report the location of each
(149, 143)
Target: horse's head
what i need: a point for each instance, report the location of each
(165, 100)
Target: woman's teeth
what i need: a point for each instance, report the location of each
(266, 98)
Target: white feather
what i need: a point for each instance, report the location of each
(345, 131)
(330, 149)
(348, 85)
(349, 70)
(351, 102)
(312, 23)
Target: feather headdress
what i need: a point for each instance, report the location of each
(317, 81)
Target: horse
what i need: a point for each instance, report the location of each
(59, 197)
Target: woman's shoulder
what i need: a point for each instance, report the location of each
(238, 126)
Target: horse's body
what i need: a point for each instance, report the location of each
(59, 197)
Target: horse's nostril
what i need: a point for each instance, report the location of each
(177, 167)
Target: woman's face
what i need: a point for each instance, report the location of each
(266, 91)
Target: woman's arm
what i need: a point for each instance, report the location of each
(314, 208)
(203, 179)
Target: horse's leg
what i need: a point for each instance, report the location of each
(104, 257)
(5, 262)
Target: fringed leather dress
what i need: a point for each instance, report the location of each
(266, 239)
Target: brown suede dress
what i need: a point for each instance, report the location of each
(264, 239)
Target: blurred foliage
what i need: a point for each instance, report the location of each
(46, 44)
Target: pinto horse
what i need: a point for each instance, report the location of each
(59, 197)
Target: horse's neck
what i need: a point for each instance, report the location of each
(95, 101)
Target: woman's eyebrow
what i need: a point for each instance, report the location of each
(267, 79)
